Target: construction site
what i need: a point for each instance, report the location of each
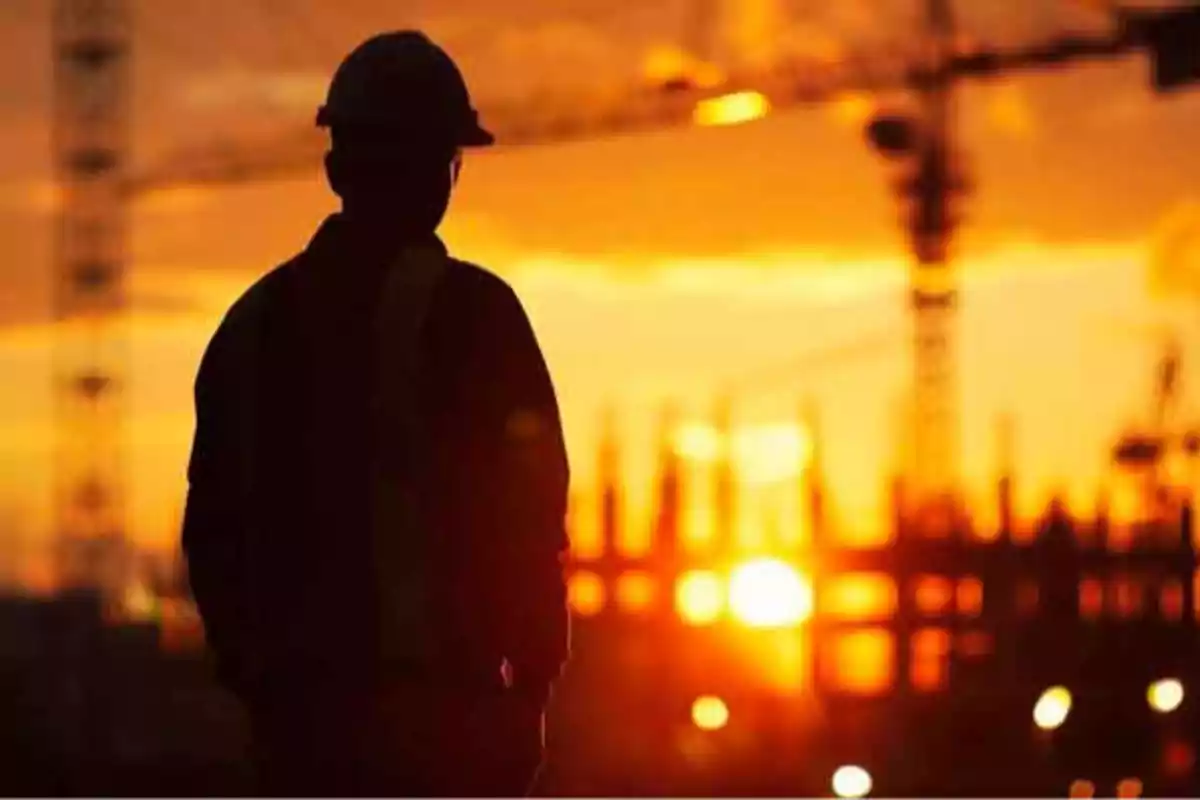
(974, 637)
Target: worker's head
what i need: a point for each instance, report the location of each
(399, 116)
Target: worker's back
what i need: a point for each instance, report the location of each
(299, 354)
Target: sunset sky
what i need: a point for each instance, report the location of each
(653, 266)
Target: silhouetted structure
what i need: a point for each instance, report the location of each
(979, 626)
(91, 137)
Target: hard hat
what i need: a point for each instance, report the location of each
(403, 82)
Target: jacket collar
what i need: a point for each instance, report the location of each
(340, 238)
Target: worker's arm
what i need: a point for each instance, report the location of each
(212, 535)
(530, 499)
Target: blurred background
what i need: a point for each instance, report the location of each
(872, 325)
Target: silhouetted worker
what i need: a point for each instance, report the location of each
(378, 483)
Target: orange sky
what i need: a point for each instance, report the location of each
(653, 265)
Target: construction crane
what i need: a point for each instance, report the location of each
(92, 53)
(91, 134)
(933, 183)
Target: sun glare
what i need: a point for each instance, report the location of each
(731, 109)
(761, 453)
(697, 442)
(768, 593)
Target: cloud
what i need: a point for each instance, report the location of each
(175, 199)
(239, 88)
(559, 53)
(1174, 257)
(183, 291)
(806, 41)
(156, 299)
(750, 28)
(43, 197)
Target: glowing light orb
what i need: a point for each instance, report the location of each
(635, 591)
(1165, 696)
(732, 109)
(1082, 789)
(1129, 787)
(851, 781)
(768, 593)
(1052, 708)
(710, 713)
(586, 594)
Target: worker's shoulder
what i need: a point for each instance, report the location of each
(242, 324)
(267, 290)
(470, 277)
(469, 286)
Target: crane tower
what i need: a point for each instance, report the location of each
(90, 139)
(933, 185)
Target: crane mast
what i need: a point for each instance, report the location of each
(929, 192)
(90, 141)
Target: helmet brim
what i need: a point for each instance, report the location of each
(472, 136)
(477, 137)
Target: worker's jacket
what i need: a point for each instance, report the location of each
(378, 481)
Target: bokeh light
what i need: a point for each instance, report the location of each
(635, 591)
(1165, 696)
(970, 596)
(861, 661)
(1082, 789)
(697, 442)
(710, 713)
(585, 594)
(933, 594)
(1052, 708)
(732, 109)
(768, 593)
(851, 781)
(1178, 758)
(140, 604)
(699, 597)
(1129, 787)
(760, 454)
(928, 668)
(859, 595)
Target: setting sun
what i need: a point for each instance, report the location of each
(768, 593)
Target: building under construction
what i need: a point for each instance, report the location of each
(1043, 656)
